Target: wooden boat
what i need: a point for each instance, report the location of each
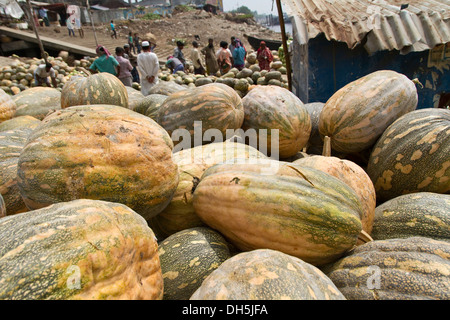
(271, 44)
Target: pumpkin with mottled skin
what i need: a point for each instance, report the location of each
(100, 88)
(150, 105)
(192, 163)
(354, 176)
(357, 114)
(7, 106)
(166, 88)
(266, 274)
(19, 122)
(11, 144)
(2, 207)
(415, 268)
(82, 250)
(412, 155)
(99, 152)
(188, 257)
(422, 214)
(315, 142)
(37, 102)
(214, 106)
(272, 108)
(298, 210)
(134, 97)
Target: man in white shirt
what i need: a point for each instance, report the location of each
(41, 74)
(195, 57)
(148, 67)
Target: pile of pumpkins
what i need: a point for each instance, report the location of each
(198, 193)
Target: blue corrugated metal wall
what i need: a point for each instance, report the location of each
(331, 65)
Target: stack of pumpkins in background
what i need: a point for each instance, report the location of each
(104, 197)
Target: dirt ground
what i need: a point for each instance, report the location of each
(184, 26)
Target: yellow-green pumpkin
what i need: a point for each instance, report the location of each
(212, 106)
(414, 268)
(412, 155)
(100, 88)
(270, 108)
(82, 250)
(266, 275)
(357, 114)
(99, 152)
(19, 122)
(298, 210)
(37, 102)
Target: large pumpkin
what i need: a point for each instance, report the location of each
(298, 210)
(83, 249)
(354, 176)
(192, 163)
(19, 122)
(166, 88)
(357, 114)
(412, 155)
(315, 142)
(37, 102)
(266, 275)
(274, 108)
(213, 106)
(414, 268)
(7, 106)
(11, 145)
(187, 258)
(98, 152)
(423, 214)
(100, 88)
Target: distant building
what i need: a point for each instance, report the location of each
(336, 42)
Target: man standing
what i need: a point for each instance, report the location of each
(125, 67)
(148, 67)
(178, 53)
(264, 56)
(41, 74)
(195, 57)
(210, 57)
(133, 60)
(113, 29)
(43, 15)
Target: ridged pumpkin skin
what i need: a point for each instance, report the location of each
(276, 108)
(166, 88)
(11, 145)
(422, 214)
(415, 268)
(7, 106)
(316, 219)
(98, 152)
(357, 114)
(354, 176)
(217, 106)
(150, 105)
(192, 163)
(83, 249)
(134, 97)
(20, 122)
(99, 88)
(412, 155)
(37, 102)
(266, 275)
(187, 258)
(315, 143)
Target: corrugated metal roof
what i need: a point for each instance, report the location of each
(420, 26)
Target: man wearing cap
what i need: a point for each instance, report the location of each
(148, 67)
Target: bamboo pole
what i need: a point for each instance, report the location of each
(30, 18)
(92, 22)
(285, 46)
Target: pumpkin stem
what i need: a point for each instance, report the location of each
(416, 81)
(364, 237)
(326, 152)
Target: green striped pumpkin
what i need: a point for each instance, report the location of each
(11, 144)
(412, 155)
(217, 106)
(37, 102)
(100, 88)
(298, 210)
(83, 249)
(415, 268)
(99, 152)
(315, 143)
(357, 114)
(274, 108)
(188, 257)
(266, 274)
(423, 214)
